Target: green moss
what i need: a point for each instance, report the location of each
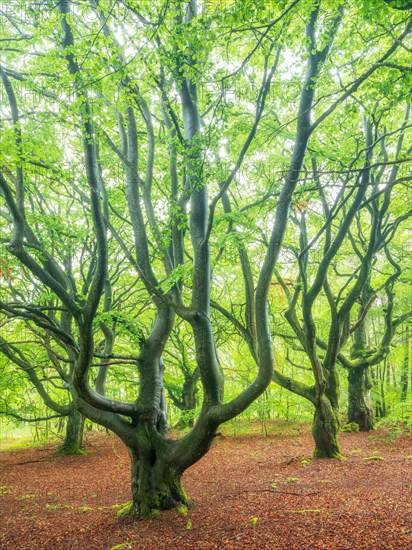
(182, 510)
(6, 490)
(254, 521)
(128, 509)
(58, 507)
(314, 511)
(69, 451)
(321, 453)
(352, 427)
(24, 443)
(27, 496)
(122, 546)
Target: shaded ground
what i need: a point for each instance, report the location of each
(250, 492)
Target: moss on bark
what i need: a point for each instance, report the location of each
(325, 429)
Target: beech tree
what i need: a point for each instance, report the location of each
(135, 109)
(357, 227)
(319, 289)
(46, 380)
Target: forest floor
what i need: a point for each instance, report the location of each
(249, 491)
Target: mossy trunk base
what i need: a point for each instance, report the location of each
(155, 487)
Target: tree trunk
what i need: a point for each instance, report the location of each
(326, 419)
(100, 382)
(404, 378)
(155, 468)
(155, 484)
(325, 428)
(188, 400)
(360, 408)
(405, 365)
(73, 440)
(381, 406)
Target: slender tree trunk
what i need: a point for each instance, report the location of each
(381, 410)
(100, 382)
(73, 440)
(405, 367)
(388, 374)
(360, 408)
(393, 372)
(189, 400)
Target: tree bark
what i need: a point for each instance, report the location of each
(155, 481)
(73, 441)
(405, 367)
(360, 408)
(325, 428)
(187, 402)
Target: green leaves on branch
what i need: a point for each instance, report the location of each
(123, 324)
(182, 273)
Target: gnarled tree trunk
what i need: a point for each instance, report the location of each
(325, 425)
(325, 429)
(155, 481)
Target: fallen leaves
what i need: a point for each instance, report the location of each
(250, 492)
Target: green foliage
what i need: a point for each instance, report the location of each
(399, 420)
(125, 325)
(165, 241)
(182, 273)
